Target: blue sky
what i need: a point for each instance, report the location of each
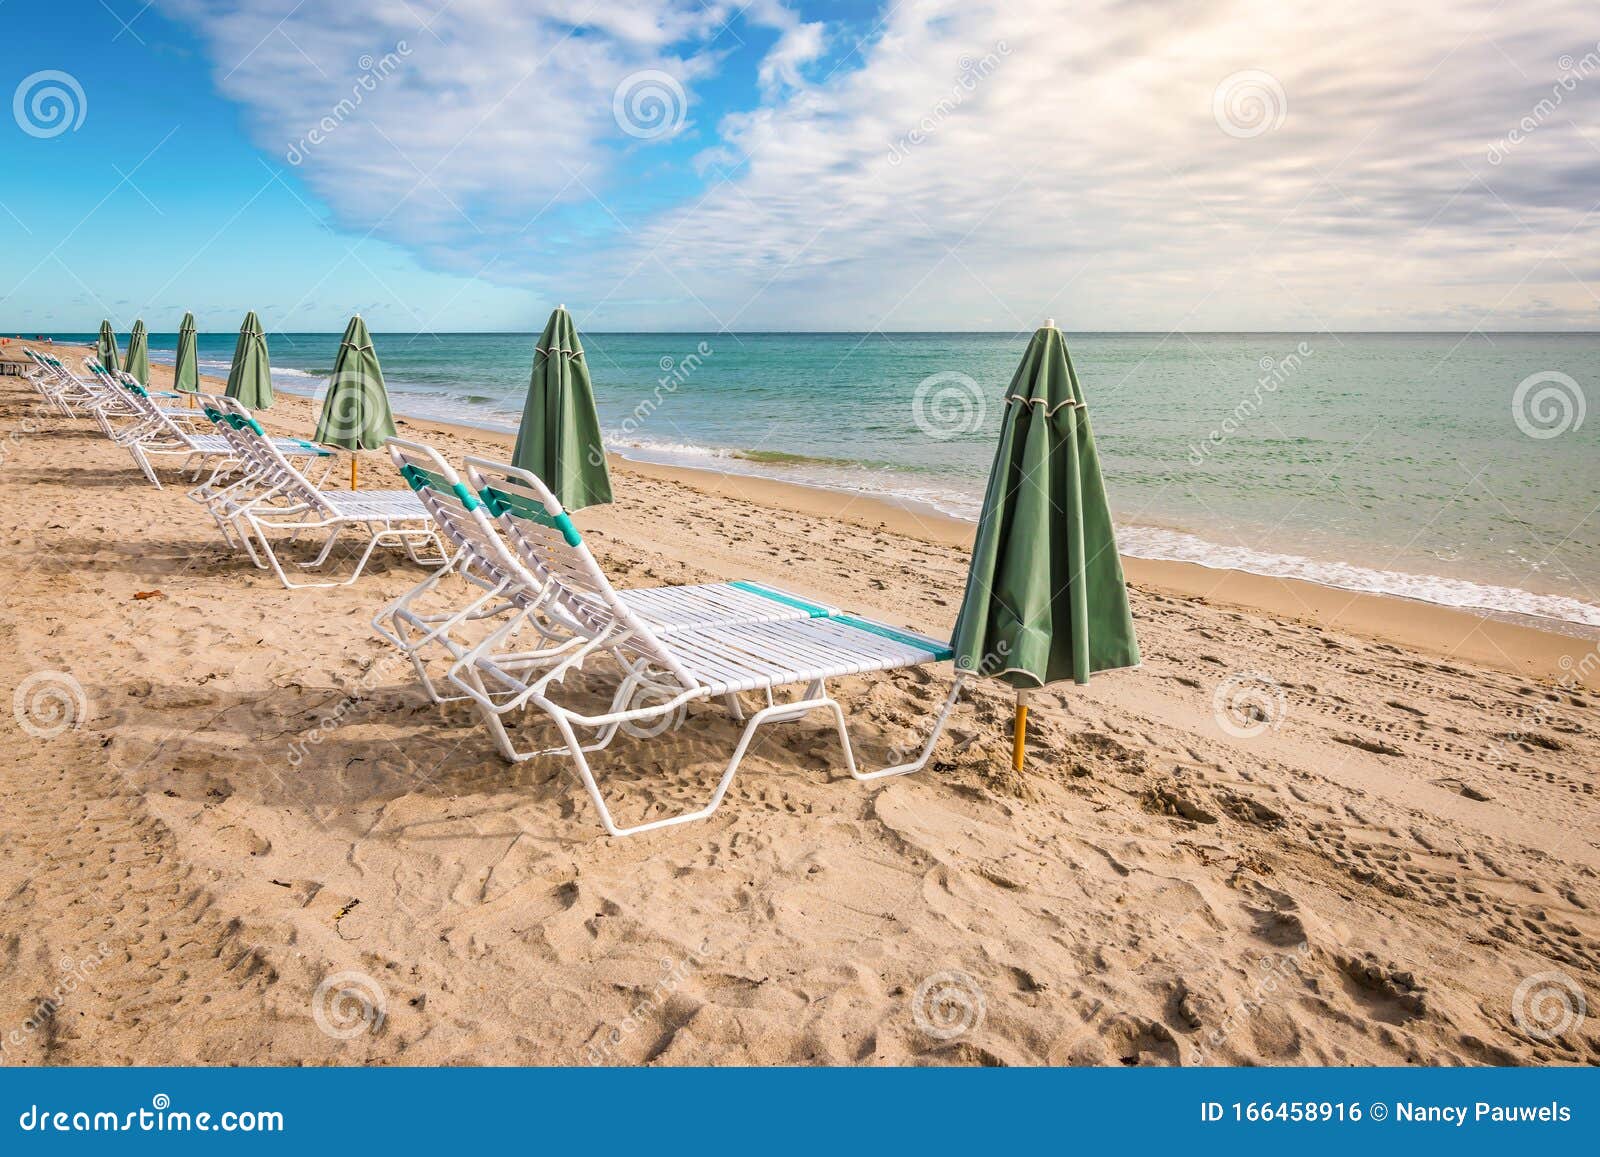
(467, 164)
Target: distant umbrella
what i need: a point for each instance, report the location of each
(138, 360)
(355, 410)
(559, 439)
(250, 378)
(186, 369)
(1045, 599)
(106, 349)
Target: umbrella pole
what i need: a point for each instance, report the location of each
(1019, 733)
(353, 471)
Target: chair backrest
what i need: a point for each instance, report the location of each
(549, 545)
(463, 519)
(269, 461)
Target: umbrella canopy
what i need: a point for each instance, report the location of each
(186, 370)
(250, 378)
(106, 349)
(559, 439)
(355, 411)
(138, 360)
(1045, 598)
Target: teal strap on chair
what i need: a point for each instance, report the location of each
(468, 498)
(256, 426)
(212, 415)
(499, 502)
(940, 653)
(416, 477)
(811, 609)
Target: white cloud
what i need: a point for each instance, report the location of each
(979, 163)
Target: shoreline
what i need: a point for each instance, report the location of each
(1442, 631)
(1446, 632)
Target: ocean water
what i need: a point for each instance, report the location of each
(1415, 465)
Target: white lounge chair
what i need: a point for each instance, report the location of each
(289, 502)
(659, 673)
(506, 573)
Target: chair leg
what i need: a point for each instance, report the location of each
(927, 748)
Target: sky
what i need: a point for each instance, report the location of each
(465, 165)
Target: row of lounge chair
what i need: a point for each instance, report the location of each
(516, 610)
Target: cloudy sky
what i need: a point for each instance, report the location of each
(692, 164)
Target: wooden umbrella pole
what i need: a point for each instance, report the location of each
(1019, 733)
(353, 461)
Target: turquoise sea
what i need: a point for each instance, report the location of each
(1451, 468)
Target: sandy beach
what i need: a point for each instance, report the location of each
(1314, 827)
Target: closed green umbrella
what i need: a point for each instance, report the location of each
(1045, 600)
(560, 435)
(106, 350)
(355, 410)
(250, 377)
(186, 369)
(138, 360)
